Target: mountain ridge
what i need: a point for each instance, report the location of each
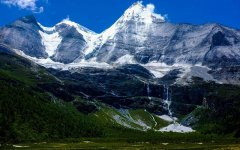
(139, 36)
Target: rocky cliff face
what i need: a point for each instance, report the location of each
(71, 45)
(23, 35)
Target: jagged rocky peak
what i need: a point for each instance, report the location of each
(145, 14)
(23, 35)
(26, 22)
(68, 22)
(65, 41)
(126, 35)
(29, 19)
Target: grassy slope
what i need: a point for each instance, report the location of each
(136, 119)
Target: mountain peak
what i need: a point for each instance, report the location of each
(139, 12)
(29, 19)
(137, 4)
(26, 22)
(80, 28)
(67, 21)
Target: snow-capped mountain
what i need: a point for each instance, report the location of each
(140, 36)
(66, 41)
(126, 36)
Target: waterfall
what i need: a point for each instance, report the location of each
(174, 126)
(168, 100)
(148, 91)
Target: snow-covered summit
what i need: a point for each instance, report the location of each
(65, 39)
(141, 13)
(87, 33)
(137, 14)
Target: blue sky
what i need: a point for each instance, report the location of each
(98, 15)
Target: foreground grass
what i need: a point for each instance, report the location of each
(115, 143)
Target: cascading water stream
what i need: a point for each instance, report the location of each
(168, 101)
(148, 91)
(175, 126)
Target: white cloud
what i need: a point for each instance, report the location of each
(150, 7)
(24, 4)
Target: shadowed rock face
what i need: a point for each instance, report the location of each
(71, 46)
(23, 35)
(219, 39)
(6, 49)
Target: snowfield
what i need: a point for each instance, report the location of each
(175, 127)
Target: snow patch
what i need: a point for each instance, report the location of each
(51, 42)
(126, 59)
(92, 44)
(188, 71)
(125, 119)
(90, 63)
(168, 118)
(20, 146)
(48, 29)
(176, 127)
(120, 121)
(48, 63)
(159, 69)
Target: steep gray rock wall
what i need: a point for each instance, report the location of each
(71, 46)
(23, 35)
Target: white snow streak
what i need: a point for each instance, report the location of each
(50, 41)
(167, 118)
(126, 59)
